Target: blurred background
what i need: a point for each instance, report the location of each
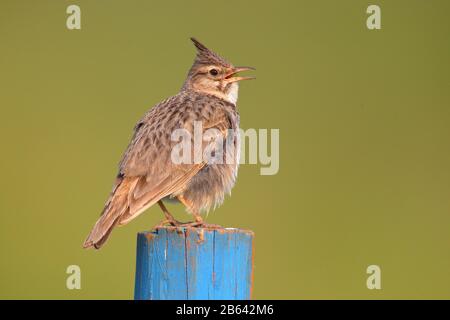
(364, 119)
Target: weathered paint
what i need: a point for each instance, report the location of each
(194, 263)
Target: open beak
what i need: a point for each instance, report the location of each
(229, 77)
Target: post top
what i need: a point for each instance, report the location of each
(187, 230)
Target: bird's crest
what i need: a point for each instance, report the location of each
(207, 57)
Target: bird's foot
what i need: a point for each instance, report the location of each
(201, 224)
(169, 222)
(210, 226)
(197, 223)
(193, 224)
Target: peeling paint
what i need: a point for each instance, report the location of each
(149, 235)
(201, 236)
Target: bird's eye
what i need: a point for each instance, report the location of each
(213, 72)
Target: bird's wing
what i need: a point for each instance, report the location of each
(164, 177)
(147, 172)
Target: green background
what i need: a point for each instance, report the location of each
(364, 125)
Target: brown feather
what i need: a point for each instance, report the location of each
(166, 188)
(115, 207)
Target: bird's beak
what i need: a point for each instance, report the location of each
(229, 76)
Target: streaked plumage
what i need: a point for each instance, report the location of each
(147, 173)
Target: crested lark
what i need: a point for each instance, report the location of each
(147, 173)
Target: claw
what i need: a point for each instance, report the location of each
(193, 224)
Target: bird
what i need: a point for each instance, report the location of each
(147, 173)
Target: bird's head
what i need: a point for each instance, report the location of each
(211, 74)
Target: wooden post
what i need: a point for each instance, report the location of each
(194, 263)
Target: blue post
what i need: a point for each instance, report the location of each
(194, 263)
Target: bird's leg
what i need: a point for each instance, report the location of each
(169, 217)
(198, 218)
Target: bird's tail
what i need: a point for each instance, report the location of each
(115, 207)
